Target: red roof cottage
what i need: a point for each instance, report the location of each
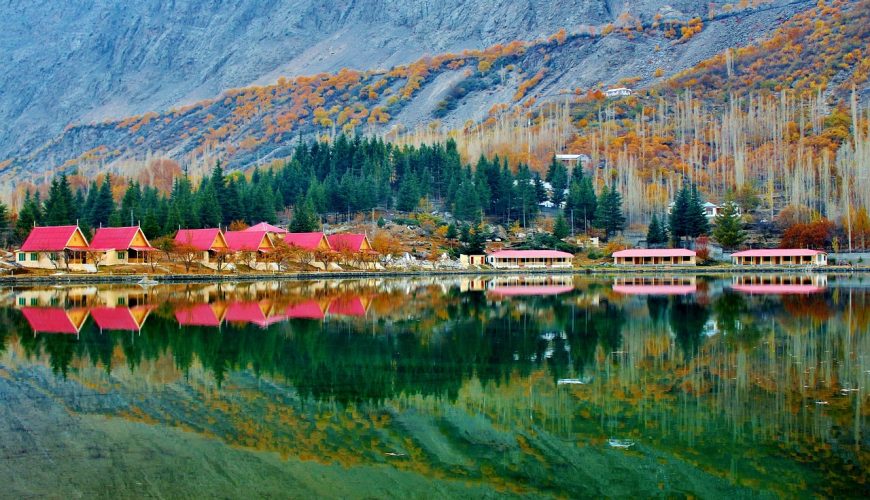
(268, 228)
(308, 241)
(247, 246)
(349, 242)
(53, 247)
(121, 245)
(209, 242)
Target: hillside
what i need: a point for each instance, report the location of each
(607, 42)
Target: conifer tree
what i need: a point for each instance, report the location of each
(104, 205)
(304, 219)
(728, 230)
(208, 207)
(59, 207)
(28, 217)
(408, 196)
(656, 234)
(5, 228)
(561, 229)
(608, 215)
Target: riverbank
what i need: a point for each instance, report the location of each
(104, 278)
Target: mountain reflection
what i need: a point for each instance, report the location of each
(696, 368)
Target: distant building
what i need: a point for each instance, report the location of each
(655, 257)
(780, 257)
(618, 92)
(529, 259)
(269, 228)
(711, 210)
(472, 260)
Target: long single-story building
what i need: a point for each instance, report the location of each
(655, 257)
(529, 259)
(780, 257)
(121, 245)
(54, 247)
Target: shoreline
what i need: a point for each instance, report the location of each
(322, 275)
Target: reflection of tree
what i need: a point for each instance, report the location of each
(687, 322)
(735, 319)
(657, 306)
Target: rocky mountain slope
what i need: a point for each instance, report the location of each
(152, 56)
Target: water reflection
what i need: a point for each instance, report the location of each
(512, 383)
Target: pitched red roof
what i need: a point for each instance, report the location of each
(346, 241)
(49, 320)
(197, 315)
(307, 241)
(347, 306)
(115, 318)
(200, 239)
(48, 239)
(116, 238)
(269, 228)
(244, 241)
(246, 312)
(305, 310)
(655, 252)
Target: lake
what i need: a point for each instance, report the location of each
(543, 386)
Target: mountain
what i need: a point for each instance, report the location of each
(94, 84)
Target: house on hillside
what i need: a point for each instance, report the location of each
(54, 247)
(115, 246)
(618, 92)
(207, 243)
(655, 257)
(529, 259)
(248, 247)
(780, 257)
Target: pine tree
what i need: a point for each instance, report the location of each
(728, 230)
(608, 215)
(104, 205)
(588, 202)
(208, 207)
(304, 219)
(561, 229)
(656, 234)
(5, 228)
(557, 176)
(451, 234)
(678, 219)
(409, 196)
(59, 207)
(698, 225)
(28, 217)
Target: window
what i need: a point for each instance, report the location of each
(122, 301)
(122, 255)
(22, 301)
(34, 301)
(34, 257)
(22, 257)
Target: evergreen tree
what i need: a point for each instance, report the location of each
(678, 219)
(588, 202)
(130, 204)
(557, 176)
(208, 207)
(409, 196)
(561, 229)
(304, 219)
(698, 225)
(104, 205)
(728, 230)
(5, 228)
(608, 215)
(59, 207)
(28, 217)
(656, 234)
(451, 234)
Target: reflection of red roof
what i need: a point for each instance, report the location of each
(244, 241)
(346, 241)
(266, 227)
(305, 310)
(347, 306)
(197, 315)
(778, 289)
(307, 241)
(531, 254)
(115, 318)
(114, 238)
(512, 291)
(777, 252)
(49, 320)
(655, 252)
(655, 289)
(200, 239)
(246, 312)
(48, 239)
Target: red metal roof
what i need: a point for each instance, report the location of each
(531, 254)
(115, 318)
(778, 252)
(346, 241)
(269, 228)
(114, 238)
(519, 290)
(655, 252)
(244, 241)
(347, 306)
(48, 239)
(49, 320)
(197, 315)
(307, 241)
(246, 312)
(305, 310)
(200, 239)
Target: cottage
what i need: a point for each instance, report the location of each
(54, 247)
(208, 243)
(349, 242)
(780, 257)
(248, 246)
(618, 92)
(312, 242)
(529, 259)
(655, 257)
(114, 246)
(269, 228)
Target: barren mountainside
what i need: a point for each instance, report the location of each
(87, 66)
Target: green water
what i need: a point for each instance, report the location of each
(542, 386)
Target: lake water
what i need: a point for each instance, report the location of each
(545, 386)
